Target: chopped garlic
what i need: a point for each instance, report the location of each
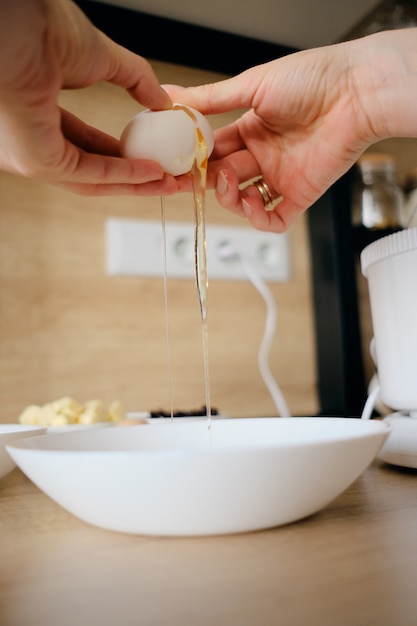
(67, 406)
(116, 411)
(31, 415)
(57, 420)
(49, 416)
(66, 410)
(93, 411)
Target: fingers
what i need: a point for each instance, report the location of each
(248, 203)
(82, 167)
(94, 158)
(242, 163)
(227, 141)
(82, 154)
(166, 186)
(87, 137)
(136, 75)
(228, 193)
(86, 55)
(277, 221)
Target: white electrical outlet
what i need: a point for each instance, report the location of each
(136, 248)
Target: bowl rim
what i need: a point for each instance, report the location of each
(12, 428)
(23, 444)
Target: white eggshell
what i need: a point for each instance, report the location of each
(168, 137)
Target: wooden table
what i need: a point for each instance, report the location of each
(353, 564)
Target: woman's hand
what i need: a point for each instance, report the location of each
(309, 117)
(49, 45)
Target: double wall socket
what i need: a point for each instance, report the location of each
(141, 248)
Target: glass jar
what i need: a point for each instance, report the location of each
(379, 199)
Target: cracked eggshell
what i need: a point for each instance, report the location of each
(168, 137)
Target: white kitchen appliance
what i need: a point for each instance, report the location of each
(390, 265)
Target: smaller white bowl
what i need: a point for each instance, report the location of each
(8, 433)
(182, 478)
(71, 428)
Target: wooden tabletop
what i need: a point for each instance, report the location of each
(353, 564)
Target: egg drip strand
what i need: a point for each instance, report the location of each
(199, 178)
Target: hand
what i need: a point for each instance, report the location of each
(310, 116)
(49, 45)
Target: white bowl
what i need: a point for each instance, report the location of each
(8, 433)
(185, 479)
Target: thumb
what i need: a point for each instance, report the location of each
(220, 97)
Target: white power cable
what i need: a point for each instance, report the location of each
(370, 403)
(227, 251)
(373, 388)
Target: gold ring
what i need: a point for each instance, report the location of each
(269, 198)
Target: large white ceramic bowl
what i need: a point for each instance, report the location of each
(186, 479)
(8, 433)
